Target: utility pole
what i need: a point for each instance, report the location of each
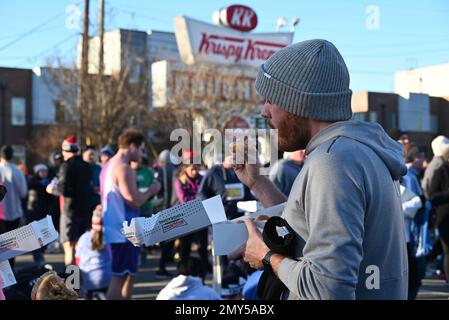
(3, 87)
(101, 34)
(83, 102)
(101, 88)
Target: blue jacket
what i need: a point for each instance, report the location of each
(419, 228)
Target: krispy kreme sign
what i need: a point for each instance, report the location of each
(203, 42)
(237, 17)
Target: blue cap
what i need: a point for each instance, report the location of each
(107, 150)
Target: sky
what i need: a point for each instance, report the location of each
(375, 37)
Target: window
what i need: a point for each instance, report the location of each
(19, 154)
(373, 116)
(391, 120)
(18, 111)
(433, 123)
(59, 112)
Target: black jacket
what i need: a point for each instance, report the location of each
(75, 187)
(39, 201)
(439, 192)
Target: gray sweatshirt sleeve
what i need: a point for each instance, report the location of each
(334, 205)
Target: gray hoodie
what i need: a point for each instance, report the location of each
(346, 205)
(14, 180)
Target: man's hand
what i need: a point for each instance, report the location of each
(247, 173)
(245, 164)
(50, 188)
(255, 249)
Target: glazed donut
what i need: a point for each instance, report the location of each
(50, 286)
(262, 217)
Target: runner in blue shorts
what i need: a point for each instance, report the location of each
(120, 201)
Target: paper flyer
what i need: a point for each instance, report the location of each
(231, 235)
(175, 222)
(194, 215)
(268, 212)
(27, 238)
(6, 275)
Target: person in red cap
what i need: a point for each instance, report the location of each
(73, 188)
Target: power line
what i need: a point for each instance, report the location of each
(142, 15)
(23, 35)
(363, 32)
(19, 34)
(56, 45)
(380, 73)
(396, 44)
(131, 6)
(397, 54)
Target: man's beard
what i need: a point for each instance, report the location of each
(293, 134)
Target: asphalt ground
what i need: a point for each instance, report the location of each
(147, 286)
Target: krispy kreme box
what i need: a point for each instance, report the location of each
(178, 221)
(27, 238)
(225, 244)
(175, 222)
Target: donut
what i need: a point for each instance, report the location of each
(262, 217)
(50, 286)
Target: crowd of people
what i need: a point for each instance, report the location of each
(424, 194)
(89, 193)
(343, 180)
(89, 198)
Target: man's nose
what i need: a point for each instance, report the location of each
(266, 111)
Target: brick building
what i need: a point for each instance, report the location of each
(16, 110)
(420, 116)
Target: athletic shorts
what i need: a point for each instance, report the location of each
(72, 228)
(125, 257)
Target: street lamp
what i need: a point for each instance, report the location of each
(281, 22)
(295, 22)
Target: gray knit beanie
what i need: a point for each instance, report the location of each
(308, 79)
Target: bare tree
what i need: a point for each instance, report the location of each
(207, 92)
(210, 93)
(113, 102)
(46, 139)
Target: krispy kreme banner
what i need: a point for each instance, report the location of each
(203, 42)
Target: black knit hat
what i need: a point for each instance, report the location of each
(411, 153)
(7, 152)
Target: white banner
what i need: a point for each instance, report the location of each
(27, 238)
(203, 42)
(231, 235)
